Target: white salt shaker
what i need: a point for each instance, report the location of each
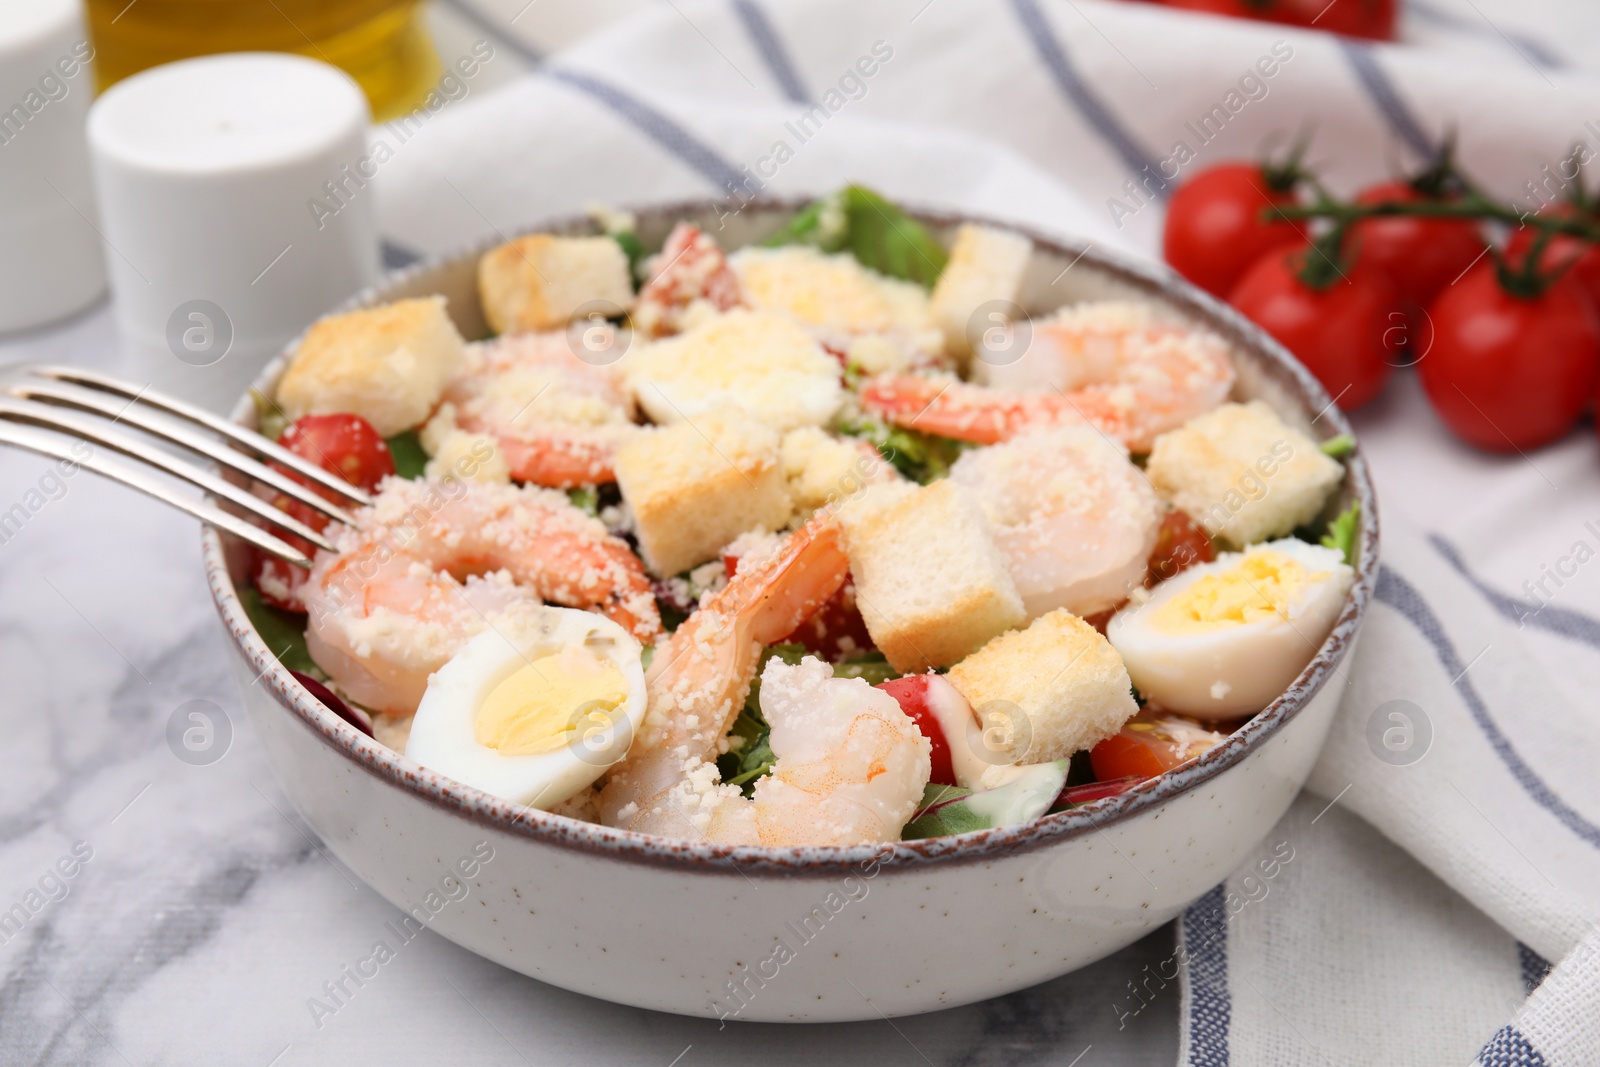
(236, 204)
(49, 252)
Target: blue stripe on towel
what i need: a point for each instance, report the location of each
(661, 129)
(1079, 94)
(396, 256)
(764, 35)
(1534, 967)
(1509, 1048)
(1534, 51)
(1563, 621)
(1404, 598)
(1384, 94)
(499, 33)
(1205, 943)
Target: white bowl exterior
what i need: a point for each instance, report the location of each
(911, 938)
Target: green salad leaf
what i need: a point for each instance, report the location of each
(1343, 531)
(749, 756)
(409, 457)
(585, 498)
(877, 232)
(1340, 446)
(872, 666)
(922, 457)
(270, 419)
(281, 631)
(633, 248)
(949, 809)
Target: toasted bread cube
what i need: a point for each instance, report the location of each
(985, 264)
(388, 364)
(538, 282)
(1243, 473)
(822, 469)
(760, 362)
(695, 486)
(930, 583)
(1043, 693)
(831, 292)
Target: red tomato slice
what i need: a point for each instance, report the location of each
(345, 445)
(912, 694)
(1149, 744)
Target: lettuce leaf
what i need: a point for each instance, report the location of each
(949, 809)
(409, 458)
(749, 756)
(1343, 531)
(879, 234)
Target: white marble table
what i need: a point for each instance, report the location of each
(208, 915)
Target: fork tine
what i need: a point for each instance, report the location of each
(240, 436)
(47, 444)
(55, 392)
(100, 433)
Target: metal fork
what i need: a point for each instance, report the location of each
(89, 406)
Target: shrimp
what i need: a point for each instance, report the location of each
(691, 268)
(1108, 365)
(1074, 520)
(699, 677)
(555, 408)
(433, 563)
(851, 766)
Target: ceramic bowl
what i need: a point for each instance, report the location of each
(806, 934)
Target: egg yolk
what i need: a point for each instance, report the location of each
(544, 704)
(1260, 587)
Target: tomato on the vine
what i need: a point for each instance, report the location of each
(1510, 372)
(345, 445)
(1340, 331)
(1214, 230)
(1420, 255)
(1580, 258)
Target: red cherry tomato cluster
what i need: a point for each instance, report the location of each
(345, 445)
(1373, 19)
(1506, 342)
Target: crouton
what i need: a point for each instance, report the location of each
(930, 583)
(695, 486)
(985, 265)
(833, 292)
(822, 469)
(1243, 473)
(537, 282)
(388, 364)
(1043, 693)
(759, 362)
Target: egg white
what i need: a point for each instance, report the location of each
(443, 737)
(1238, 669)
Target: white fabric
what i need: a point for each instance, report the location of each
(1041, 112)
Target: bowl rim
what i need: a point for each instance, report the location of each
(476, 806)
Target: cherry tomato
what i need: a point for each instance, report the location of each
(1374, 19)
(345, 445)
(1148, 744)
(1180, 544)
(1509, 373)
(1580, 257)
(912, 694)
(1214, 231)
(1340, 332)
(1420, 255)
